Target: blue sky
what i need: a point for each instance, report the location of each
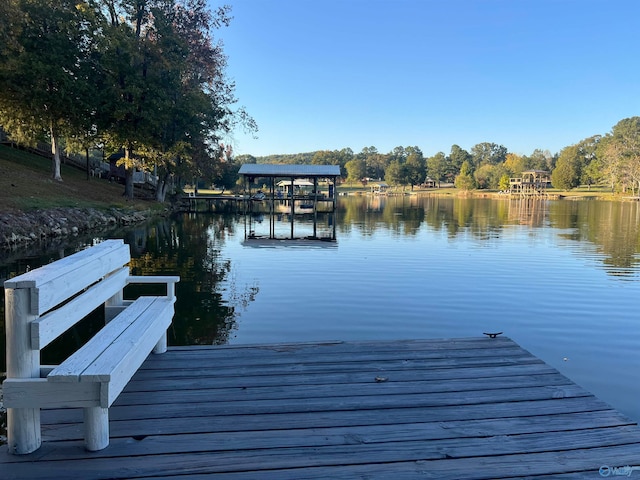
(527, 74)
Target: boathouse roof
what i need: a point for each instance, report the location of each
(284, 170)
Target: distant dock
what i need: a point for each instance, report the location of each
(466, 408)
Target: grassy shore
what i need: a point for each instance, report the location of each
(26, 185)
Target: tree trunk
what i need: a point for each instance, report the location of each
(86, 151)
(55, 151)
(162, 187)
(128, 176)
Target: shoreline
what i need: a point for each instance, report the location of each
(23, 229)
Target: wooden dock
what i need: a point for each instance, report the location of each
(447, 409)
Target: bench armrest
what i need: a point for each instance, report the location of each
(170, 280)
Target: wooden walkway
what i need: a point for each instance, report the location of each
(446, 409)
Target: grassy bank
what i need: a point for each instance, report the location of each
(26, 184)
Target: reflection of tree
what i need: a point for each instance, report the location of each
(399, 214)
(613, 227)
(484, 218)
(191, 248)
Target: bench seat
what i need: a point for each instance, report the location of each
(114, 354)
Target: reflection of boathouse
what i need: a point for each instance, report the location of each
(533, 183)
(306, 191)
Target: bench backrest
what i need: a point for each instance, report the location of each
(89, 278)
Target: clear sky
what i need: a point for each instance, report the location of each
(526, 74)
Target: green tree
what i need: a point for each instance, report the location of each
(567, 173)
(504, 184)
(625, 150)
(464, 180)
(169, 98)
(488, 153)
(540, 160)
(399, 154)
(414, 165)
(436, 167)
(455, 160)
(356, 170)
(609, 164)
(514, 164)
(588, 149)
(482, 176)
(488, 176)
(43, 76)
(376, 163)
(333, 157)
(394, 174)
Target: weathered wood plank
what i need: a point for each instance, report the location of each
(335, 436)
(146, 381)
(478, 458)
(148, 424)
(583, 462)
(339, 346)
(74, 366)
(37, 392)
(327, 355)
(174, 392)
(333, 404)
(52, 284)
(372, 366)
(494, 412)
(51, 325)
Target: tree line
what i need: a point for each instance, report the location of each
(482, 167)
(612, 159)
(148, 78)
(142, 77)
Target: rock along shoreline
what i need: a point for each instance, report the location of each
(21, 229)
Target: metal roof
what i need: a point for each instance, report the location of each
(283, 170)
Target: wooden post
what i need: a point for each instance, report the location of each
(113, 306)
(293, 202)
(23, 424)
(96, 428)
(161, 346)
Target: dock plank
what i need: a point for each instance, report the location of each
(452, 408)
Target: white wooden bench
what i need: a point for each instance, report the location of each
(44, 303)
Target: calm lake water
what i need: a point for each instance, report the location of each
(561, 278)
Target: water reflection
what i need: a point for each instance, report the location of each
(613, 228)
(403, 267)
(210, 299)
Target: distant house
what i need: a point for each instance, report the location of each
(530, 183)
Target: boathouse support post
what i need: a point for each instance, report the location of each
(23, 424)
(293, 203)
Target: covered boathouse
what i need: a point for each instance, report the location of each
(274, 186)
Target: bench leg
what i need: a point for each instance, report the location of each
(23, 424)
(96, 428)
(23, 430)
(161, 346)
